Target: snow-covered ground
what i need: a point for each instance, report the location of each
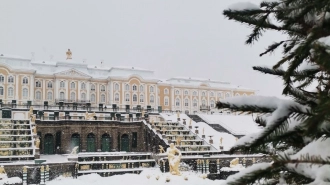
(141, 179)
(236, 124)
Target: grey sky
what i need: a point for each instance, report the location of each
(172, 37)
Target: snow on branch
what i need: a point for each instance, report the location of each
(243, 6)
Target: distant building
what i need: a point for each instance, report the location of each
(26, 81)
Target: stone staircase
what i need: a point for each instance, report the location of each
(216, 127)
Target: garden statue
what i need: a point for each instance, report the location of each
(68, 54)
(37, 142)
(221, 140)
(178, 140)
(74, 150)
(30, 112)
(35, 130)
(33, 118)
(178, 114)
(2, 170)
(234, 162)
(173, 159)
(161, 149)
(203, 131)
(89, 116)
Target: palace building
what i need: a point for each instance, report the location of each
(26, 81)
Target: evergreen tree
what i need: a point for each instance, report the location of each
(295, 133)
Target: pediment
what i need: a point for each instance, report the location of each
(72, 73)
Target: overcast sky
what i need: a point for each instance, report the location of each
(172, 37)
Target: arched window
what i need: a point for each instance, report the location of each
(38, 84)
(237, 94)
(203, 93)
(141, 98)
(83, 96)
(25, 80)
(186, 102)
(50, 85)
(1, 91)
(212, 103)
(141, 88)
(244, 94)
(177, 102)
(116, 97)
(186, 92)
(126, 87)
(83, 86)
(134, 98)
(194, 93)
(10, 79)
(227, 95)
(151, 89)
(116, 87)
(38, 95)
(62, 84)
(165, 91)
(152, 99)
(10, 92)
(127, 97)
(92, 97)
(73, 85)
(62, 96)
(203, 103)
(2, 78)
(212, 94)
(166, 101)
(73, 96)
(25, 92)
(92, 87)
(177, 92)
(195, 103)
(219, 95)
(49, 95)
(102, 98)
(134, 88)
(102, 88)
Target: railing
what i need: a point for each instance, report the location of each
(82, 118)
(204, 107)
(72, 101)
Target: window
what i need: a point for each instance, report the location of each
(212, 103)
(116, 87)
(186, 92)
(151, 89)
(126, 87)
(38, 95)
(141, 88)
(49, 95)
(227, 95)
(195, 103)
(134, 88)
(1, 91)
(25, 80)
(211, 93)
(73, 85)
(244, 94)
(186, 103)
(83, 86)
(177, 102)
(25, 92)
(203, 103)
(203, 93)
(2, 78)
(38, 84)
(10, 91)
(165, 91)
(177, 92)
(102, 88)
(92, 97)
(73, 96)
(116, 97)
(237, 94)
(127, 97)
(62, 96)
(102, 98)
(83, 96)
(141, 98)
(93, 88)
(194, 93)
(166, 101)
(219, 95)
(152, 99)
(10, 79)
(62, 84)
(50, 85)
(134, 98)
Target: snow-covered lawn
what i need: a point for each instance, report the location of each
(134, 179)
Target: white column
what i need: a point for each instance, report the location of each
(110, 92)
(16, 88)
(31, 81)
(88, 88)
(43, 89)
(78, 90)
(172, 98)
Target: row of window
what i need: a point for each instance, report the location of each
(195, 103)
(72, 85)
(11, 79)
(134, 87)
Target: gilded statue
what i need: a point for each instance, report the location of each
(190, 122)
(35, 130)
(42, 169)
(74, 150)
(33, 118)
(37, 143)
(161, 149)
(89, 116)
(24, 169)
(178, 140)
(203, 131)
(173, 159)
(234, 162)
(2, 170)
(30, 112)
(68, 54)
(178, 114)
(47, 167)
(221, 140)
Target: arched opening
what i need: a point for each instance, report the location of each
(124, 144)
(105, 143)
(75, 141)
(49, 144)
(91, 143)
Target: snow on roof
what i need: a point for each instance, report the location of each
(196, 79)
(243, 6)
(131, 68)
(236, 124)
(13, 56)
